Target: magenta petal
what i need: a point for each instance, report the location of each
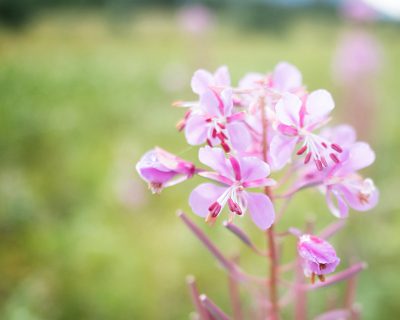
(319, 103)
(343, 135)
(222, 76)
(286, 77)
(209, 103)
(361, 203)
(361, 156)
(288, 110)
(339, 210)
(226, 97)
(239, 135)
(281, 149)
(253, 168)
(201, 81)
(215, 159)
(261, 210)
(203, 196)
(196, 130)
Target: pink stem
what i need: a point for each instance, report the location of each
(231, 267)
(207, 243)
(350, 295)
(235, 298)
(346, 274)
(243, 237)
(300, 294)
(213, 308)
(273, 269)
(332, 229)
(194, 292)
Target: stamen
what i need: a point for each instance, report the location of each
(225, 146)
(301, 150)
(215, 209)
(222, 136)
(363, 198)
(307, 158)
(209, 142)
(221, 125)
(318, 163)
(155, 187)
(336, 147)
(324, 145)
(181, 124)
(312, 278)
(214, 133)
(234, 207)
(321, 277)
(324, 163)
(334, 158)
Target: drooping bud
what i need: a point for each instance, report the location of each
(319, 257)
(161, 169)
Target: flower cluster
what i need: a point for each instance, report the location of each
(267, 123)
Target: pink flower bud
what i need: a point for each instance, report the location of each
(162, 169)
(319, 257)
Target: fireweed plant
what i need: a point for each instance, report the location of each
(246, 134)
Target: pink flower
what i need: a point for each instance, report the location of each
(319, 257)
(358, 57)
(203, 80)
(195, 19)
(162, 169)
(286, 78)
(297, 121)
(216, 123)
(345, 188)
(341, 184)
(235, 175)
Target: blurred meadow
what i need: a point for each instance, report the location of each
(84, 93)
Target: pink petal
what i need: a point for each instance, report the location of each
(239, 135)
(215, 159)
(251, 80)
(356, 203)
(209, 102)
(343, 135)
(253, 168)
(286, 77)
(319, 103)
(264, 182)
(361, 156)
(226, 97)
(288, 110)
(203, 196)
(261, 210)
(196, 130)
(281, 150)
(340, 210)
(222, 76)
(201, 81)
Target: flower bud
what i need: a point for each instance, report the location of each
(319, 257)
(162, 169)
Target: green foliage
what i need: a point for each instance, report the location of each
(81, 100)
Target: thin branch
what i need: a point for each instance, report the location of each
(213, 308)
(344, 275)
(194, 292)
(243, 237)
(332, 229)
(235, 298)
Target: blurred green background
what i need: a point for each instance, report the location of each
(85, 91)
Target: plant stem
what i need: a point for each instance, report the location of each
(273, 269)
